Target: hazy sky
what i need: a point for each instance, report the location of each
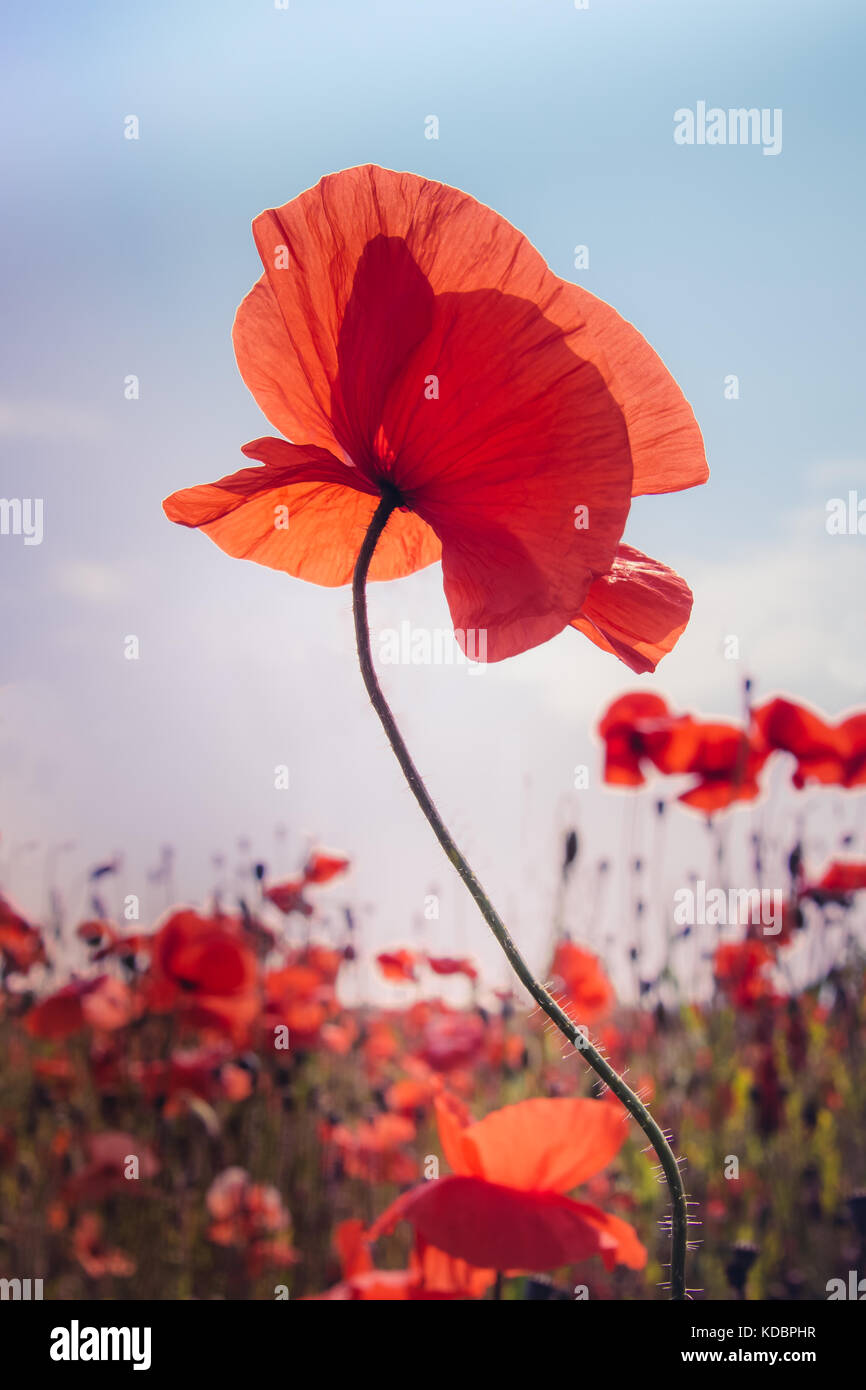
(129, 257)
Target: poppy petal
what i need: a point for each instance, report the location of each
(521, 466)
(637, 611)
(545, 1145)
(496, 1227)
(278, 515)
(286, 331)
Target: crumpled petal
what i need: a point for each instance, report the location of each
(637, 611)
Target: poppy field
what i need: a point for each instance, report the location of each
(198, 1114)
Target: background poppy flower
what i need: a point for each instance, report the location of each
(103, 1004)
(725, 758)
(397, 966)
(289, 896)
(412, 343)
(21, 945)
(452, 965)
(631, 727)
(323, 865)
(578, 975)
(832, 754)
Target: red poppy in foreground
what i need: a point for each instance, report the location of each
(505, 1207)
(413, 344)
(431, 1275)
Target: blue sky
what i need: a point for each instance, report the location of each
(131, 256)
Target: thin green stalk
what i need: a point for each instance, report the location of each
(679, 1213)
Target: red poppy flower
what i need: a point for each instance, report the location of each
(300, 997)
(450, 1038)
(205, 1072)
(289, 896)
(375, 1150)
(725, 758)
(108, 1170)
(505, 1207)
(578, 975)
(740, 968)
(397, 966)
(412, 342)
(250, 1216)
(95, 1257)
(96, 934)
(410, 1095)
(632, 728)
(839, 880)
(451, 965)
(205, 970)
(102, 1004)
(21, 945)
(832, 754)
(431, 1273)
(323, 865)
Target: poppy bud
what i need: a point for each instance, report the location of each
(737, 1269)
(857, 1208)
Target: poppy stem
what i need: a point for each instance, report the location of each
(635, 1107)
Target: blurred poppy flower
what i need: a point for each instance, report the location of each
(741, 970)
(631, 727)
(21, 945)
(375, 1150)
(413, 343)
(203, 969)
(450, 1038)
(725, 759)
(250, 1216)
(451, 965)
(206, 1072)
(288, 896)
(839, 880)
(397, 966)
(578, 975)
(505, 1207)
(832, 754)
(96, 1258)
(102, 1004)
(324, 865)
(108, 1170)
(410, 1095)
(301, 998)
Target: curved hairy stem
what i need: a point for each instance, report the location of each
(575, 1035)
